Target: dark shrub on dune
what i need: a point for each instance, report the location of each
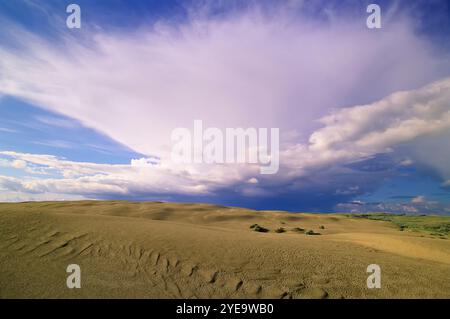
(258, 228)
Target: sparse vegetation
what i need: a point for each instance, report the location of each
(258, 228)
(280, 230)
(311, 232)
(298, 230)
(432, 224)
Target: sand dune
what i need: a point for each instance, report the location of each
(163, 250)
(415, 247)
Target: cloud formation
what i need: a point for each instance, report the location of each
(348, 136)
(137, 86)
(251, 69)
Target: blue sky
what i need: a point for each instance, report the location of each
(364, 115)
(26, 128)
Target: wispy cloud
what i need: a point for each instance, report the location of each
(56, 144)
(7, 130)
(56, 121)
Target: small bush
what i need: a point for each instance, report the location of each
(322, 227)
(258, 228)
(298, 230)
(280, 230)
(311, 232)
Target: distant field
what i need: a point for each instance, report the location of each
(434, 225)
(167, 250)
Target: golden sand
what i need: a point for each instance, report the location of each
(163, 250)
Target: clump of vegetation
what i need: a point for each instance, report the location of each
(311, 232)
(432, 224)
(280, 230)
(322, 227)
(298, 230)
(258, 228)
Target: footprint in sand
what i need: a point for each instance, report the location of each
(188, 269)
(252, 289)
(208, 275)
(234, 284)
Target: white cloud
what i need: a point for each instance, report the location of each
(136, 87)
(7, 130)
(413, 208)
(418, 200)
(348, 135)
(141, 176)
(250, 70)
(362, 131)
(55, 143)
(56, 121)
(19, 164)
